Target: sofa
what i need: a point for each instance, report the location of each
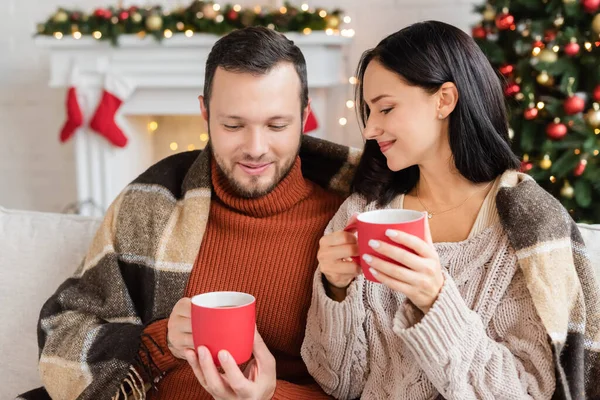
(38, 251)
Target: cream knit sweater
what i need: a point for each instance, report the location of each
(482, 339)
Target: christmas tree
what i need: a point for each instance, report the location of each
(548, 55)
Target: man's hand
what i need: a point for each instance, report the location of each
(257, 382)
(179, 328)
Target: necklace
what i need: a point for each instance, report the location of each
(431, 214)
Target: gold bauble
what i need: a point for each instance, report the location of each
(209, 11)
(546, 163)
(567, 191)
(489, 14)
(544, 79)
(154, 22)
(60, 17)
(569, 1)
(596, 24)
(547, 55)
(332, 21)
(592, 118)
(136, 17)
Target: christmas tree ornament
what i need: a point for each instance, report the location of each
(124, 15)
(567, 191)
(136, 17)
(544, 79)
(580, 168)
(559, 21)
(592, 117)
(60, 17)
(539, 44)
(531, 112)
(574, 105)
(512, 89)
(597, 93)
(232, 15)
(556, 130)
(596, 24)
(572, 49)
(489, 13)
(209, 11)
(479, 32)
(569, 1)
(154, 22)
(248, 17)
(550, 35)
(102, 13)
(590, 6)
(546, 163)
(526, 166)
(117, 89)
(332, 21)
(548, 56)
(504, 20)
(506, 69)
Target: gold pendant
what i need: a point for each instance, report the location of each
(429, 215)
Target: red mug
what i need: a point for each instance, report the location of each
(373, 225)
(224, 321)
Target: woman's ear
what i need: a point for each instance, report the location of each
(447, 99)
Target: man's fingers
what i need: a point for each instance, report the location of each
(192, 359)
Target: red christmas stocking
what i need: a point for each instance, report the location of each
(311, 123)
(74, 114)
(117, 89)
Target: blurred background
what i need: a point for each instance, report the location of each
(37, 172)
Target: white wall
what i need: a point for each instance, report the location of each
(37, 173)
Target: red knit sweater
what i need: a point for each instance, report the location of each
(266, 247)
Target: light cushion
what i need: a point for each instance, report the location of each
(38, 252)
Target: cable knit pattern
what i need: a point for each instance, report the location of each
(482, 339)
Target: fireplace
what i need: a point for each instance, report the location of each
(162, 116)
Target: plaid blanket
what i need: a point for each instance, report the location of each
(140, 259)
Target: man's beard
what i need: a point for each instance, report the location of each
(252, 190)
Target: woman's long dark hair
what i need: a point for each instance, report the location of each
(427, 55)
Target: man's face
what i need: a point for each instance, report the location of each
(255, 127)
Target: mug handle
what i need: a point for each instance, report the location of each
(353, 227)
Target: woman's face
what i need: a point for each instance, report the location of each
(404, 120)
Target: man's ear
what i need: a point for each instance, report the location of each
(203, 109)
(305, 114)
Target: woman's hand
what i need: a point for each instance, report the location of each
(419, 277)
(335, 258)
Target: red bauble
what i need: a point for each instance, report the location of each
(123, 15)
(597, 93)
(102, 13)
(506, 69)
(526, 166)
(232, 15)
(574, 105)
(556, 130)
(580, 168)
(531, 113)
(479, 32)
(549, 35)
(572, 49)
(590, 6)
(504, 21)
(132, 9)
(512, 89)
(76, 17)
(538, 43)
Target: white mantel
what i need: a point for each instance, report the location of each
(168, 78)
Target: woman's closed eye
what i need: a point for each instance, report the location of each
(387, 110)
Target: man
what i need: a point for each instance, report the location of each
(244, 215)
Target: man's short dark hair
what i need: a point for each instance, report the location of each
(254, 50)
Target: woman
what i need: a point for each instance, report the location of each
(483, 309)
